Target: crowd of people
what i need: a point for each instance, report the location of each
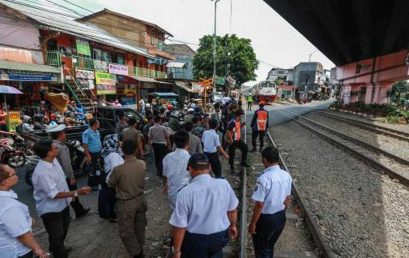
(187, 160)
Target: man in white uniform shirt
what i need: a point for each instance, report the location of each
(272, 196)
(205, 213)
(16, 238)
(52, 196)
(175, 173)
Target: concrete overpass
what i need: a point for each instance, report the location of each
(368, 40)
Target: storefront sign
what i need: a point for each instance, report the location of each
(103, 89)
(196, 88)
(104, 78)
(118, 69)
(83, 47)
(13, 120)
(100, 66)
(27, 76)
(83, 74)
(86, 84)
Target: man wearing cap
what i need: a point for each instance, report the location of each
(57, 133)
(202, 221)
(259, 125)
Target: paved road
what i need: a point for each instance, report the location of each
(25, 192)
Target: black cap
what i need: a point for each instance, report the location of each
(198, 159)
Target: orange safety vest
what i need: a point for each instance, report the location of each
(262, 120)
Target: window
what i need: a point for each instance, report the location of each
(118, 58)
(96, 54)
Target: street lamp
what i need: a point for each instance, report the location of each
(307, 78)
(214, 46)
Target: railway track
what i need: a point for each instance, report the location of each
(394, 166)
(368, 126)
(318, 247)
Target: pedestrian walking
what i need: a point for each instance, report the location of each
(128, 181)
(249, 102)
(198, 128)
(112, 158)
(195, 145)
(272, 197)
(57, 133)
(91, 141)
(16, 237)
(259, 125)
(52, 196)
(211, 148)
(159, 138)
(131, 132)
(142, 106)
(175, 173)
(205, 213)
(236, 126)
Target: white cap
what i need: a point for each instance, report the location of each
(55, 128)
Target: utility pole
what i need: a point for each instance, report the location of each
(214, 46)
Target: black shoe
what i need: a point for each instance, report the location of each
(140, 255)
(83, 213)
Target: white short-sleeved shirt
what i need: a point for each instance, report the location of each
(272, 188)
(48, 181)
(175, 169)
(211, 141)
(202, 206)
(15, 220)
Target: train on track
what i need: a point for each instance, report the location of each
(265, 91)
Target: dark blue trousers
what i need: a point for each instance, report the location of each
(204, 246)
(268, 229)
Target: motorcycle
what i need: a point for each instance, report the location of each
(10, 155)
(77, 161)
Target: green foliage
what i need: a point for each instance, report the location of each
(229, 49)
(399, 94)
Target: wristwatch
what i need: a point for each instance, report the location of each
(75, 193)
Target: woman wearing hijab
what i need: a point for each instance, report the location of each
(112, 157)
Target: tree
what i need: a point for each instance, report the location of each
(399, 94)
(235, 57)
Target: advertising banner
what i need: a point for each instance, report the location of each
(118, 69)
(105, 78)
(83, 47)
(13, 120)
(103, 89)
(83, 74)
(100, 66)
(28, 76)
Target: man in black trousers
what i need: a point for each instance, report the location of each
(272, 197)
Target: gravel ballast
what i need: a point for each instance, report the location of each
(360, 212)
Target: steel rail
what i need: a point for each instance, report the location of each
(325, 249)
(243, 223)
(355, 141)
(368, 126)
(374, 163)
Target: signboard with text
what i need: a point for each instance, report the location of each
(27, 76)
(103, 89)
(105, 78)
(83, 47)
(83, 74)
(118, 69)
(13, 120)
(100, 66)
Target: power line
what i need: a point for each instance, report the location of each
(83, 8)
(79, 14)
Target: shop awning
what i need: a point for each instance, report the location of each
(145, 79)
(175, 65)
(184, 85)
(28, 67)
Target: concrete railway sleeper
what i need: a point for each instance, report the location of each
(371, 154)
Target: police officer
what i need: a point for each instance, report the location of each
(202, 221)
(271, 196)
(259, 125)
(58, 135)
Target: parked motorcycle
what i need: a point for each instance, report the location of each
(10, 155)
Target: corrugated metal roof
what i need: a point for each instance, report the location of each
(58, 22)
(28, 67)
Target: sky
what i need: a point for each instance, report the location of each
(275, 41)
